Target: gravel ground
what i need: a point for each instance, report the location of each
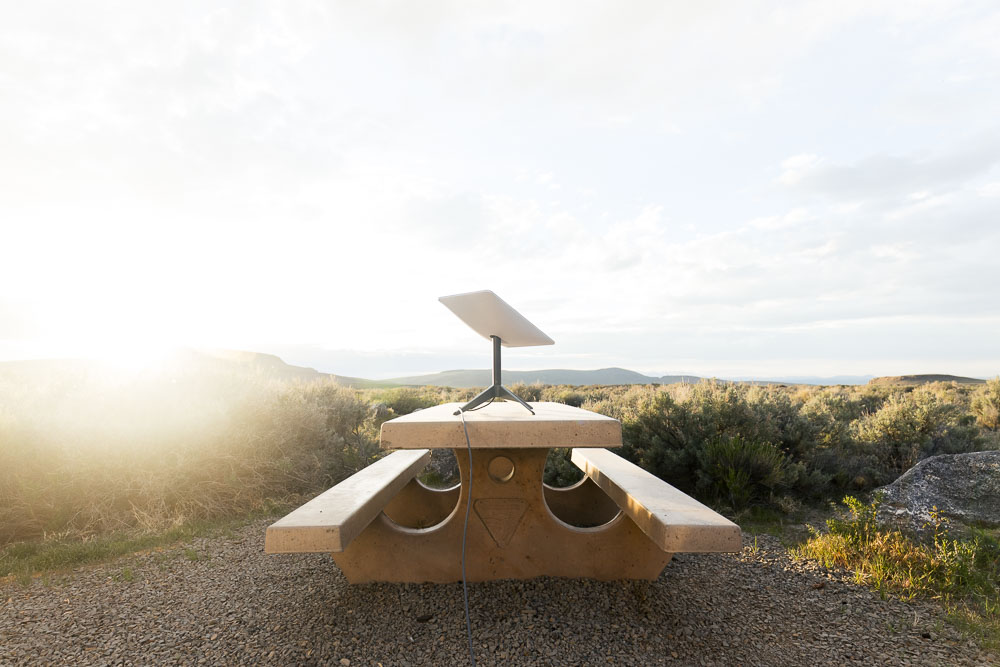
(222, 601)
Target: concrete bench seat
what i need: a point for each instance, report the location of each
(329, 522)
(670, 518)
(620, 522)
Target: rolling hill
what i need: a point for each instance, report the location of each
(483, 377)
(185, 361)
(902, 380)
(270, 366)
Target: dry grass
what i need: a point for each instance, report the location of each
(93, 453)
(88, 451)
(963, 572)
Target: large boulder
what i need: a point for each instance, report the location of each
(965, 488)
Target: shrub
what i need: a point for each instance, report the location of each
(573, 398)
(985, 404)
(830, 412)
(148, 455)
(528, 392)
(741, 473)
(895, 435)
(724, 442)
(560, 470)
(894, 562)
(85, 454)
(662, 436)
(404, 400)
(909, 427)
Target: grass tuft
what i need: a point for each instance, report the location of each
(23, 561)
(962, 572)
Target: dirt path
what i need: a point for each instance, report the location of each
(222, 601)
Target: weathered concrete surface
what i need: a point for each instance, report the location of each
(382, 525)
(965, 488)
(502, 425)
(672, 519)
(512, 533)
(332, 519)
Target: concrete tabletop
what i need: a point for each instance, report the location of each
(502, 425)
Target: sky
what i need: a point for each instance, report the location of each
(715, 188)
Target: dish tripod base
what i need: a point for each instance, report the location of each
(496, 390)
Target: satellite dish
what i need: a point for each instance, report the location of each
(494, 319)
(489, 316)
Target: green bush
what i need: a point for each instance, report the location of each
(82, 454)
(830, 412)
(894, 435)
(404, 400)
(985, 404)
(741, 473)
(737, 444)
(570, 397)
(909, 427)
(527, 392)
(663, 436)
(560, 470)
(147, 455)
(899, 563)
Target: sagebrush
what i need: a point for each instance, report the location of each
(85, 453)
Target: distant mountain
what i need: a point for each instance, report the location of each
(482, 378)
(265, 364)
(807, 379)
(604, 376)
(188, 360)
(273, 366)
(901, 380)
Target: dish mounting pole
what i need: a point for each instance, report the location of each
(496, 390)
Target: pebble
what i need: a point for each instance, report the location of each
(238, 606)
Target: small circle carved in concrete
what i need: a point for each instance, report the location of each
(501, 469)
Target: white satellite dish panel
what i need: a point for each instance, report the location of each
(493, 319)
(489, 316)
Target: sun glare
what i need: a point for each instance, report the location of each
(129, 356)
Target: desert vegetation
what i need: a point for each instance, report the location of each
(741, 446)
(962, 572)
(85, 452)
(95, 463)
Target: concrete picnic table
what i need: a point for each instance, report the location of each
(618, 522)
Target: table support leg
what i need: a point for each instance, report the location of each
(512, 534)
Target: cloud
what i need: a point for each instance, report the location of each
(990, 189)
(792, 218)
(322, 172)
(890, 176)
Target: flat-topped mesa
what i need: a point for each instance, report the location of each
(500, 425)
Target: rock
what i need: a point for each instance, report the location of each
(445, 465)
(381, 412)
(965, 488)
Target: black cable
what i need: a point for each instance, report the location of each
(479, 407)
(465, 529)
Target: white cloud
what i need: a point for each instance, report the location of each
(886, 176)
(794, 217)
(795, 167)
(990, 189)
(320, 173)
